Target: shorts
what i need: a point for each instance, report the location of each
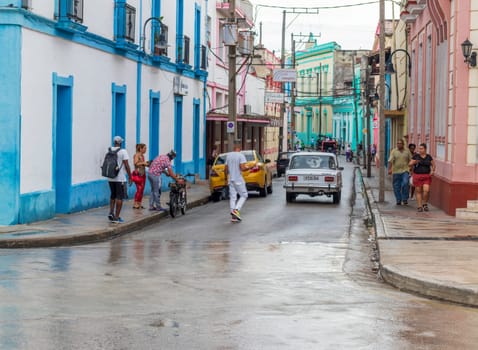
(421, 179)
(118, 190)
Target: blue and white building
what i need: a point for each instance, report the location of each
(75, 73)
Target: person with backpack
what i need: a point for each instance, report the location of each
(116, 162)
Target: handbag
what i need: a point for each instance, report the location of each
(135, 177)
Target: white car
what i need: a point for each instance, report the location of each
(313, 174)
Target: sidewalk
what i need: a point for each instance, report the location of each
(429, 253)
(92, 225)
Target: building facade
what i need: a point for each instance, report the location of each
(74, 74)
(252, 122)
(443, 106)
(328, 94)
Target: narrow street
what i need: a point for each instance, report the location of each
(290, 276)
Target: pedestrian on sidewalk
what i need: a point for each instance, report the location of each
(423, 170)
(373, 153)
(412, 148)
(118, 184)
(235, 165)
(139, 175)
(348, 153)
(398, 167)
(160, 164)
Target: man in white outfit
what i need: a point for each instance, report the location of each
(235, 165)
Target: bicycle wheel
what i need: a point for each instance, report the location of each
(184, 202)
(173, 204)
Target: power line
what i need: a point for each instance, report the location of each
(324, 7)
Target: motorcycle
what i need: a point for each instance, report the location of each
(178, 195)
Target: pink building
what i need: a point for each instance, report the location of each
(443, 105)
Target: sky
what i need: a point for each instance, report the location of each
(351, 27)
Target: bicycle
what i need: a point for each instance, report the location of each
(178, 199)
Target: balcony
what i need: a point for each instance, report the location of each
(415, 8)
(408, 17)
(244, 9)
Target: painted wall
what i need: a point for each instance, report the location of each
(91, 65)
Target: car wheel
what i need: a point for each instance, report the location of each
(216, 196)
(263, 191)
(336, 197)
(269, 188)
(289, 197)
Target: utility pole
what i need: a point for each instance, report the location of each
(282, 65)
(232, 101)
(354, 87)
(292, 97)
(366, 103)
(381, 116)
(320, 101)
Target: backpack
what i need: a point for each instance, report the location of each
(110, 164)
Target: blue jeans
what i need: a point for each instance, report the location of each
(155, 182)
(400, 186)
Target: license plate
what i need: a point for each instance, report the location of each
(312, 177)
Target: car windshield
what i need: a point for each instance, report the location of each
(312, 162)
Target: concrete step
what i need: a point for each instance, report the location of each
(466, 214)
(472, 205)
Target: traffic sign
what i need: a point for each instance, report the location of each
(230, 127)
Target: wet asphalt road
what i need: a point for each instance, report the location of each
(290, 276)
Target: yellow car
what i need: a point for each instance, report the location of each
(258, 178)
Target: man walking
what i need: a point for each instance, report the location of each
(398, 167)
(118, 184)
(235, 165)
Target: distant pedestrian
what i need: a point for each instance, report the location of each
(373, 153)
(161, 164)
(348, 153)
(139, 175)
(412, 148)
(423, 170)
(298, 146)
(212, 156)
(399, 169)
(118, 184)
(235, 165)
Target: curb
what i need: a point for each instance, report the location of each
(407, 283)
(429, 288)
(96, 236)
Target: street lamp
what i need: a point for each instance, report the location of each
(389, 69)
(162, 30)
(470, 57)
(376, 96)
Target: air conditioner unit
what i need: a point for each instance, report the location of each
(180, 87)
(247, 109)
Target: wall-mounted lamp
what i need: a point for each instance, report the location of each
(376, 97)
(161, 33)
(470, 57)
(389, 65)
